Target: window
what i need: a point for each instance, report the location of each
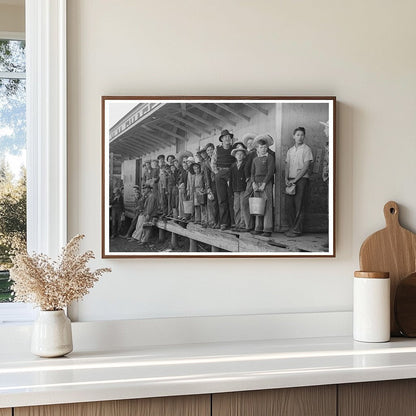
(12, 165)
(12, 154)
(46, 135)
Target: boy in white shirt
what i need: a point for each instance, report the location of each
(298, 161)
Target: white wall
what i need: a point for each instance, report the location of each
(361, 51)
(12, 17)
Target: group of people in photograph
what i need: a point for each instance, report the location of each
(213, 187)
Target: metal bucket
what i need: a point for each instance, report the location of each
(188, 207)
(257, 205)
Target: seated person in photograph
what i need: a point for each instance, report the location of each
(138, 209)
(262, 172)
(248, 140)
(150, 211)
(298, 161)
(199, 194)
(238, 184)
(117, 212)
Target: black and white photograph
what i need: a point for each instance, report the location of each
(218, 176)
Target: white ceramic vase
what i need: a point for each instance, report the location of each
(52, 334)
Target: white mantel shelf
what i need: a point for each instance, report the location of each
(151, 371)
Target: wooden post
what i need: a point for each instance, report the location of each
(174, 240)
(214, 249)
(193, 246)
(161, 234)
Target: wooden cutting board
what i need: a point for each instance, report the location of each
(392, 250)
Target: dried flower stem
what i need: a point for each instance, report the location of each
(53, 285)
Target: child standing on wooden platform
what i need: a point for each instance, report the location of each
(262, 173)
(199, 195)
(238, 184)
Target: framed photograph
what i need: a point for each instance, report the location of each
(218, 176)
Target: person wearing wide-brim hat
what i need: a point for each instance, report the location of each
(239, 146)
(220, 163)
(264, 137)
(248, 139)
(225, 133)
(170, 159)
(262, 174)
(209, 146)
(147, 171)
(238, 184)
(212, 198)
(197, 193)
(183, 155)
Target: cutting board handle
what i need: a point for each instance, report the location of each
(391, 214)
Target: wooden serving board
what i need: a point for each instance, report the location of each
(392, 250)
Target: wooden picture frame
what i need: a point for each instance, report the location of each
(141, 202)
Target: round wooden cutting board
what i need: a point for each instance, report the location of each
(405, 306)
(392, 250)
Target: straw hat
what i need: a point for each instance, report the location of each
(247, 137)
(181, 155)
(239, 146)
(266, 137)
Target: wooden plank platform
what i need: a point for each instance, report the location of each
(204, 235)
(245, 242)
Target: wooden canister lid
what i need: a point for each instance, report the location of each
(372, 275)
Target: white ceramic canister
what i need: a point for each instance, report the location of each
(371, 310)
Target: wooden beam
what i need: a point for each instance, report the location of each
(169, 133)
(149, 141)
(185, 129)
(214, 114)
(140, 141)
(149, 132)
(191, 124)
(183, 109)
(211, 124)
(257, 107)
(193, 246)
(174, 241)
(232, 111)
(149, 138)
(132, 152)
(220, 239)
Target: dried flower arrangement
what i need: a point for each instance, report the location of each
(53, 285)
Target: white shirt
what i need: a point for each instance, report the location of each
(297, 157)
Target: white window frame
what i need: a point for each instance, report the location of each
(46, 133)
